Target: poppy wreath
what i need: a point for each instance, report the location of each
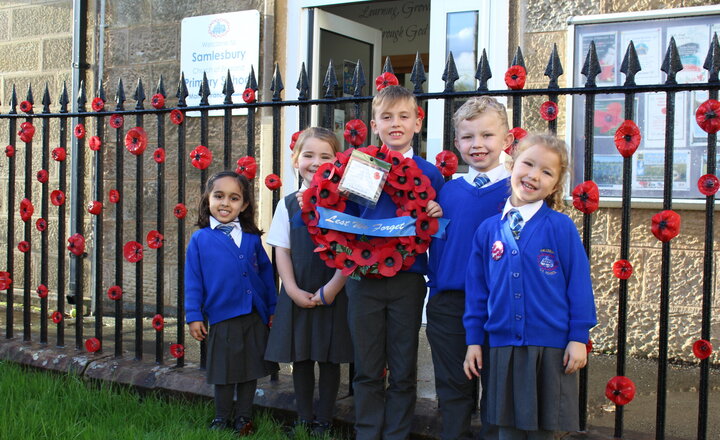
(360, 255)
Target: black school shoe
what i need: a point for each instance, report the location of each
(243, 426)
(319, 429)
(219, 423)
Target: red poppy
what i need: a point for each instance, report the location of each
(400, 181)
(248, 95)
(180, 211)
(589, 346)
(708, 116)
(57, 317)
(42, 291)
(27, 131)
(97, 104)
(386, 79)
(326, 254)
(95, 143)
(26, 209)
(57, 197)
(95, 207)
(609, 118)
(177, 117)
(447, 162)
(42, 176)
(92, 345)
(136, 141)
(201, 157)
(155, 239)
(518, 133)
(76, 244)
(177, 350)
(364, 254)
(5, 280)
(133, 251)
(586, 197)
(294, 139)
(355, 132)
(389, 261)
(158, 322)
(426, 226)
(159, 155)
(345, 263)
(41, 224)
(702, 349)
(114, 292)
(24, 246)
(247, 167)
(328, 194)
(627, 138)
(9, 151)
(116, 120)
(622, 269)
(549, 111)
(26, 107)
(157, 101)
(114, 196)
(310, 217)
(273, 182)
(666, 225)
(79, 131)
(620, 390)
(59, 154)
(708, 184)
(515, 77)
(420, 113)
(327, 171)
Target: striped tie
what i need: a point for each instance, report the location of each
(481, 180)
(516, 222)
(226, 229)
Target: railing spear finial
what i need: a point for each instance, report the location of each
(46, 99)
(483, 72)
(518, 59)
(277, 84)
(13, 101)
(591, 68)
(671, 64)
(251, 81)
(228, 88)
(358, 80)
(64, 100)
(417, 76)
(29, 98)
(101, 92)
(120, 96)
(303, 84)
(388, 66)
(554, 68)
(139, 95)
(330, 81)
(182, 91)
(630, 65)
(82, 98)
(712, 61)
(161, 87)
(204, 91)
(450, 74)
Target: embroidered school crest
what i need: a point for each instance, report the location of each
(547, 261)
(498, 249)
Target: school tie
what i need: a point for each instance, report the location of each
(516, 222)
(480, 180)
(226, 229)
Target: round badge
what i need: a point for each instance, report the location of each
(497, 250)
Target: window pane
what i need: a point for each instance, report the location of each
(462, 40)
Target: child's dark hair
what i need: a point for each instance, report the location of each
(246, 217)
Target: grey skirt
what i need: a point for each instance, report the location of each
(235, 350)
(529, 390)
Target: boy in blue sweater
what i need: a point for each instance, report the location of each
(481, 134)
(385, 314)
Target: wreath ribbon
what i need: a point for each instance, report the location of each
(383, 227)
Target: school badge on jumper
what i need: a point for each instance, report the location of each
(497, 250)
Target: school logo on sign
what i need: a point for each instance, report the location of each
(218, 27)
(547, 261)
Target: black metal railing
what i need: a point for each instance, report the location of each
(110, 233)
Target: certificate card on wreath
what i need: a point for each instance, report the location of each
(364, 178)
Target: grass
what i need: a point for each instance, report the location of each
(39, 405)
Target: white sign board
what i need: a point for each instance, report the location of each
(216, 44)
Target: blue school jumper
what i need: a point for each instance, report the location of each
(223, 281)
(536, 291)
(466, 206)
(384, 317)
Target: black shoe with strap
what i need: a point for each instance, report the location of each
(219, 423)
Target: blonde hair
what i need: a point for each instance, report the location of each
(392, 95)
(555, 145)
(478, 106)
(321, 133)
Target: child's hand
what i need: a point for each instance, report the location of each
(575, 357)
(299, 196)
(302, 299)
(433, 209)
(329, 297)
(198, 330)
(473, 361)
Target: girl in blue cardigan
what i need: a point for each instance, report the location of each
(529, 294)
(229, 281)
